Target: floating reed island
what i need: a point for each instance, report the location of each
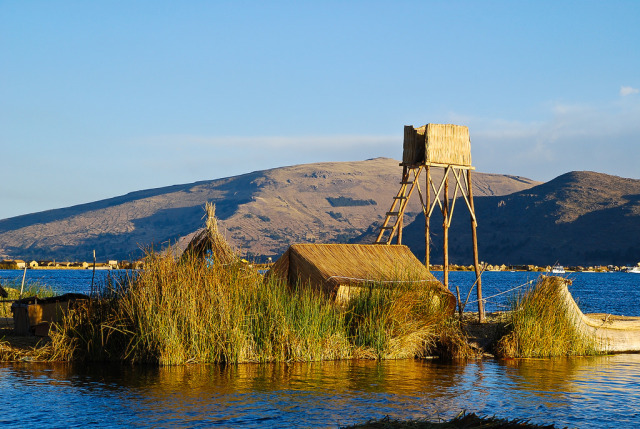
(207, 305)
(318, 302)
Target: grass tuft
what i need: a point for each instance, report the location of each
(541, 326)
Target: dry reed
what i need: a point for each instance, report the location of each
(177, 312)
(209, 306)
(541, 326)
(437, 143)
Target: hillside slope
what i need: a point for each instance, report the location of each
(579, 218)
(261, 212)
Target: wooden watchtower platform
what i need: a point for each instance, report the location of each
(442, 146)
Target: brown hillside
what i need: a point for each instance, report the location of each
(579, 218)
(261, 213)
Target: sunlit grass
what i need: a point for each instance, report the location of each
(176, 312)
(541, 326)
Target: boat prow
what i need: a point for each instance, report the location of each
(611, 333)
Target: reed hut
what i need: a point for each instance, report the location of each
(340, 270)
(209, 243)
(446, 144)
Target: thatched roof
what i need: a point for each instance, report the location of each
(328, 267)
(437, 143)
(209, 242)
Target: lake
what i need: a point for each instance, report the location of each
(591, 392)
(615, 293)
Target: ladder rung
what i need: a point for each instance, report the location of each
(399, 198)
(386, 227)
(393, 213)
(406, 183)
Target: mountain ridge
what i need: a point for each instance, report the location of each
(262, 212)
(578, 218)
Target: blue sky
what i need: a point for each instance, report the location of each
(102, 98)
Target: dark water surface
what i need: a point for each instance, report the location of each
(595, 392)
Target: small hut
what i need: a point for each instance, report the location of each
(209, 243)
(339, 270)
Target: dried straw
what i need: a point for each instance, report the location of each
(209, 239)
(328, 267)
(437, 143)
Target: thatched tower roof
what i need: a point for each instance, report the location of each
(437, 143)
(333, 268)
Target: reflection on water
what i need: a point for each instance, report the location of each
(578, 392)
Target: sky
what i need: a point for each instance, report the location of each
(102, 98)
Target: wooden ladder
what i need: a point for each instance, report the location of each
(392, 224)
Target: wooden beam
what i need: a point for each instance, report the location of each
(427, 231)
(466, 185)
(445, 228)
(437, 164)
(474, 238)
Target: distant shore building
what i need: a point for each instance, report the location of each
(12, 264)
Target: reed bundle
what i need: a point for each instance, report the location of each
(542, 325)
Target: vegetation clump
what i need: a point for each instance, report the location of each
(540, 325)
(190, 310)
(462, 421)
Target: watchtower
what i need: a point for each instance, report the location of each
(442, 146)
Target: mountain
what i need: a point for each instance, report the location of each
(579, 218)
(261, 212)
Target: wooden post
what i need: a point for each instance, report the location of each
(94, 271)
(445, 229)
(474, 238)
(24, 274)
(427, 231)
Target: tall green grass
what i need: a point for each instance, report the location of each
(176, 312)
(541, 326)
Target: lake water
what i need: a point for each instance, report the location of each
(593, 392)
(615, 293)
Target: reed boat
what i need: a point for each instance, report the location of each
(611, 333)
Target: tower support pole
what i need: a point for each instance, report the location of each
(474, 238)
(445, 230)
(427, 218)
